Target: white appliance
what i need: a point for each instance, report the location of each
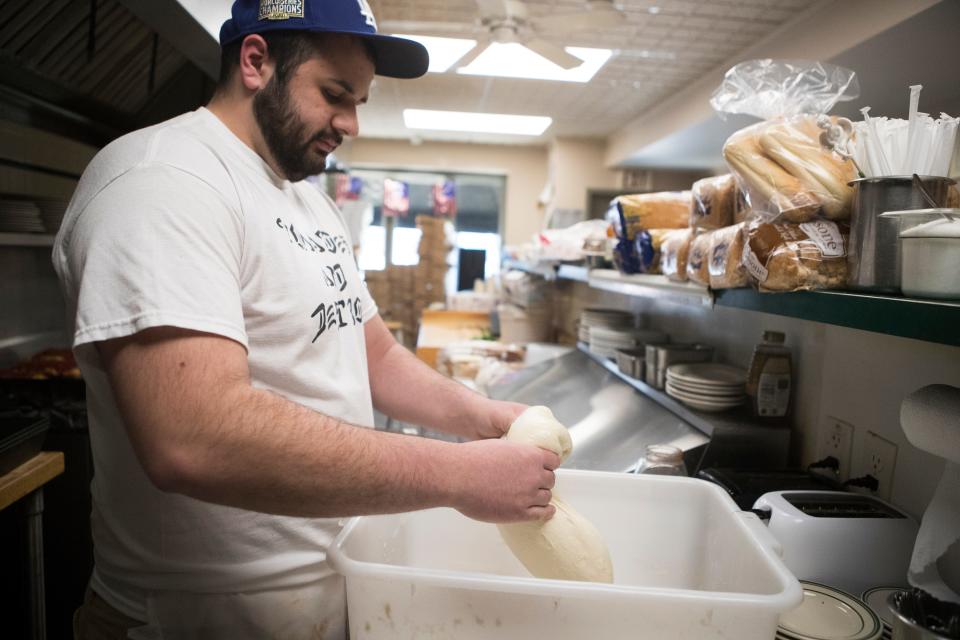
(846, 540)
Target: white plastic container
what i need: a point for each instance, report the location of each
(688, 565)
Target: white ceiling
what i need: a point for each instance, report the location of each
(698, 34)
(642, 106)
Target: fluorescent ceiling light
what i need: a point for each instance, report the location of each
(475, 122)
(513, 60)
(443, 51)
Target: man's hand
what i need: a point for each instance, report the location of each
(505, 481)
(496, 416)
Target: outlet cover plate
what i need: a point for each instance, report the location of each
(836, 439)
(879, 460)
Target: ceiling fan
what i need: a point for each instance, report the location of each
(507, 21)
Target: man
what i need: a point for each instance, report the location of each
(232, 353)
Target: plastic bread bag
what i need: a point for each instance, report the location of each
(796, 257)
(674, 252)
(649, 246)
(714, 202)
(784, 168)
(698, 262)
(726, 250)
(664, 210)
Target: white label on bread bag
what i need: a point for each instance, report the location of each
(827, 236)
(752, 263)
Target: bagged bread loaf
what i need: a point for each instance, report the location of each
(674, 252)
(698, 263)
(787, 174)
(633, 213)
(714, 202)
(726, 250)
(649, 248)
(796, 257)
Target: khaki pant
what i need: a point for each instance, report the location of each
(97, 620)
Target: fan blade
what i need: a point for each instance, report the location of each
(473, 54)
(596, 16)
(553, 53)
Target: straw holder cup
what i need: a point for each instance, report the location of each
(873, 258)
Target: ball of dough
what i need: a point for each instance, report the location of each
(568, 546)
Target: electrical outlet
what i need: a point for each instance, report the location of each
(836, 439)
(879, 460)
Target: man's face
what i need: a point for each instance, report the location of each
(306, 117)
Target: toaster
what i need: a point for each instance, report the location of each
(846, 540)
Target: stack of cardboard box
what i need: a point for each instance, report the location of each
(432, 269)
(402, 293)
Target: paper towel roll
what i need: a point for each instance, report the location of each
(930, 418)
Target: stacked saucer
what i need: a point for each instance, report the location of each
(829, 614)
(51, 213)
(20, 216)
(603, 318)
(606, 342)
(707, 386)
(877, 600)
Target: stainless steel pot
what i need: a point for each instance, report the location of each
(873, 259)
(912, 610)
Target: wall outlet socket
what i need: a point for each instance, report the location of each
(879, 460)
(836, 439)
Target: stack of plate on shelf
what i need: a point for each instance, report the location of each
(51, 213)
(20, 216)
(707, 386)
(829, 614)
(606, 342)
(603, 318)
(876, 599)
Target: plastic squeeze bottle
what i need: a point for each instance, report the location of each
(769, 380)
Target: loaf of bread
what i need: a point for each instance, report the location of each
(796, 257)
(665, 210)
(726, 250)
(698, 262)
(714, 202)
(788, 174)
(649, 249)
(674, 252)
(953, 197)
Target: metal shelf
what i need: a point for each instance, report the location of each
(26, 240)
(709, 423)
(651, 286)
(929, 320)
(936, 321)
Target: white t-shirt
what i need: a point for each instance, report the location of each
(183, 225)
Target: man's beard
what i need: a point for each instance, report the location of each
(286, 134)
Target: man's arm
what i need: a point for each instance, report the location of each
(406, 389)
(199, 428)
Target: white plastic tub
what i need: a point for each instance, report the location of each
(687, 565)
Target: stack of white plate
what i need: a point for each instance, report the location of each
(707, 386)
(51, 213)
(20, 216)
(606, 342)
(829, 614)
(604, 318)
(876, 599)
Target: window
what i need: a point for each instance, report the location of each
(479, 202)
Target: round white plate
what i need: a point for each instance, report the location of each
(708, 374)
(725, 396)
(829, 614)
(876, 599)
(704, 405)
(696, 389)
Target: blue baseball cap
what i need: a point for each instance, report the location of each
(395, 57)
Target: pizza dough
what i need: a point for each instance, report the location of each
(568, 546)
